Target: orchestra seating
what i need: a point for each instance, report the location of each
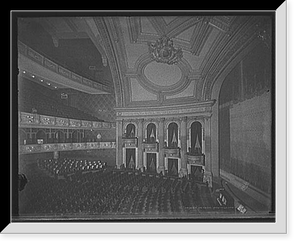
(84, 187)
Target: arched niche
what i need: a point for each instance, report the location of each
(41, 137)
(173, 135)
(195, 145)
(76, 136)
(151, 133)
(145, 125)
(59, 136)
(130, 130)
(22, 137)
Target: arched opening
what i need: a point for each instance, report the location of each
(196, 138)
(173, 135)
(130, 130)
(41, 137)
(59, 136)
(151, 133)
(212, 153)
(76, 136)
(245, 120)
(22, 137)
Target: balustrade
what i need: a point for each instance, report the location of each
(39, 148)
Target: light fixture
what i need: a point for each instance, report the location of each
(24, 71)
(32, 76)
(42, 80)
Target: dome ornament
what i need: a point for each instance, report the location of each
(163, 51)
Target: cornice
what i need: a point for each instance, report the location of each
(202, 108)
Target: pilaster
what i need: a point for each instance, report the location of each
(183, 139)
(119, 151)
(161, 157)
(140, 147)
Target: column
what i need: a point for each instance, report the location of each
(144, 160)
(119, 151)
(207, 138)
(161, 156)
(140, 146)
(210, 170)
(183, 151)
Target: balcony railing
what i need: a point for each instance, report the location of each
(36, 120)
(61, 70)
(40, 148)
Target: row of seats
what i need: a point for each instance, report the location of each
(107, 191)
(62, 167)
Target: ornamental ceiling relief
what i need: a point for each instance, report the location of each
(158, 58)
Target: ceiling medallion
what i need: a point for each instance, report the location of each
(163, 51)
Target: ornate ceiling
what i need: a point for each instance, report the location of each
(159, 60)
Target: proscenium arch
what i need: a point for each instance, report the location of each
(214, 94)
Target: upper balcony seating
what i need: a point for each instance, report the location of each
(35, 103)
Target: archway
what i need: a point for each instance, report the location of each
(130, 130)
(59, 136)
(173, 135)
(214, 94)
(196, 138)
(22, 137)
(41, 137)
(151, 133)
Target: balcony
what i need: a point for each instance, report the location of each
(196, 159)
(172, 152)
(40, 121)
(131, 142)
(40, 148)
(150, 147)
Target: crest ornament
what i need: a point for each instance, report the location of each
(163, 51)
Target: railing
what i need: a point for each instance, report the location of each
(53, 66)
(39, 148)
(42, 121)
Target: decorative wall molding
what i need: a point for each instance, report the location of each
(109, 44)
(241, 41)
(202, 108)
(42, 121)
(40, 148)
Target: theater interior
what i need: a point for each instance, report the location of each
(145, 117)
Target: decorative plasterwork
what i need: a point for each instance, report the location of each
(42, 121)
(196, 109)
(40, 148)
(239, 43)
(163, 51)
(104, 34)
(213, 42)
